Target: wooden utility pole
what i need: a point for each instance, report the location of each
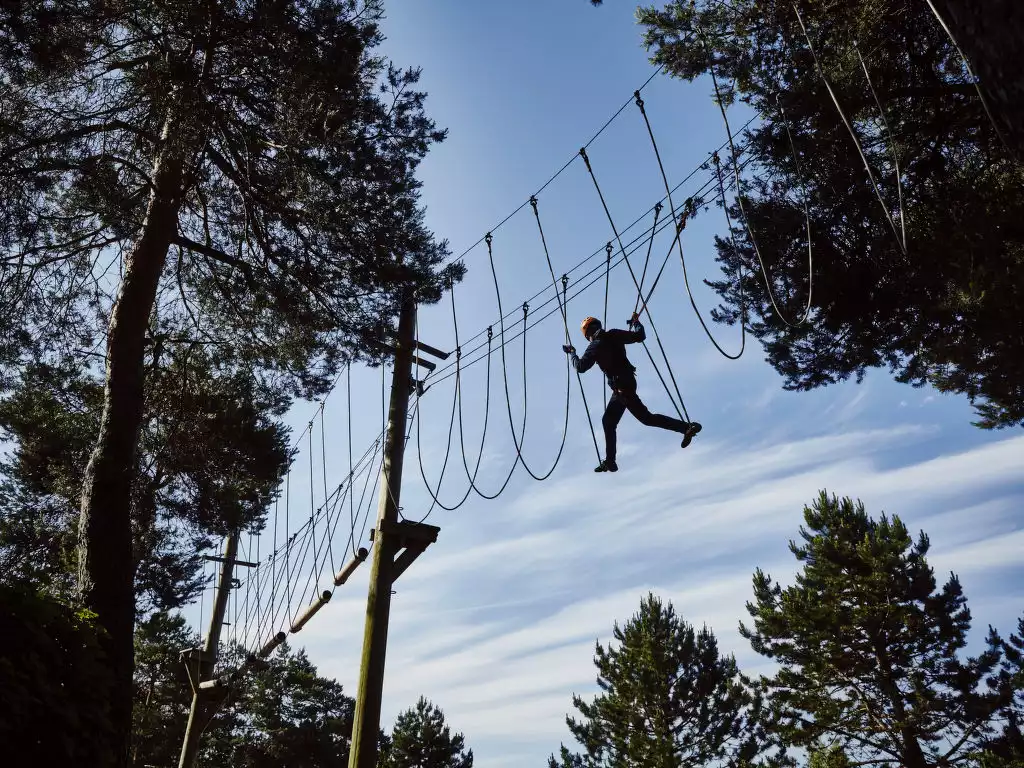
(390, 536)
(199, 716)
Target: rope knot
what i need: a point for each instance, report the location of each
(526, 308)
(657, 208)
(608, 250)
(583, 154)
(488, 239)
(533, 202)
(458, 353)
(714, 157)
(639, 101)
(565, 283)
(490, 333)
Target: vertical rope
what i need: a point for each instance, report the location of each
(647, 261)
(680, 407)
(563, 308)
(849, 128)
(680, 225)
(892, 147)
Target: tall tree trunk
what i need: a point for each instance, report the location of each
(989, 33)
(106, 566)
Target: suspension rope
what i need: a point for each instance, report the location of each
(564, 310)
(892, 147)
(312, 501)
(680, 224)
(743, 211)
(647, 311)
(650, 246)
(323, 458)
(977, 81)
(561, 170)
(448, 449)
(487, 400)
(518, 443)
(447, 371)
(604, 318)
(583, 262)
(351, 508)
(849, 128)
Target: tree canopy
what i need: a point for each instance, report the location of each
(668, 699)
(946, 311)
(869, 647)
(422, 739)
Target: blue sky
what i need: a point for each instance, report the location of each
(496, 622)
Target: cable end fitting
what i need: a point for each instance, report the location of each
(488, 239)
(608, 250)
(639, 101)
(490, 333)
(583, 154)
(533, 202)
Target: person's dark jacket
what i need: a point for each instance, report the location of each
(608, 350)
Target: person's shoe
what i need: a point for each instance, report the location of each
(607, 466)
(691, 430)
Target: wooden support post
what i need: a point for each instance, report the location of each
(198, 716)
(388, 540)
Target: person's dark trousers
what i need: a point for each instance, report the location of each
(626, 399)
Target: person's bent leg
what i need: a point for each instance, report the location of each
(645, 417)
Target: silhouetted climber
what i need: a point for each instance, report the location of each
(607, 348)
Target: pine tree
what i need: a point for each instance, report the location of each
(227, 176)
(288, 714)
(868, 648)
(948, 311)
(212, 453)
(1006, 748)
(422, 739)
(668, 700)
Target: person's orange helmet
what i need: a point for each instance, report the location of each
(589, 326)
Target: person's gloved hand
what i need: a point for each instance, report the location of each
(569, 349)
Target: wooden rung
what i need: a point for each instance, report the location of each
(349, 568)
(310, 612)
(275, 641)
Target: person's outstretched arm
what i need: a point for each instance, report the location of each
(581, 364)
